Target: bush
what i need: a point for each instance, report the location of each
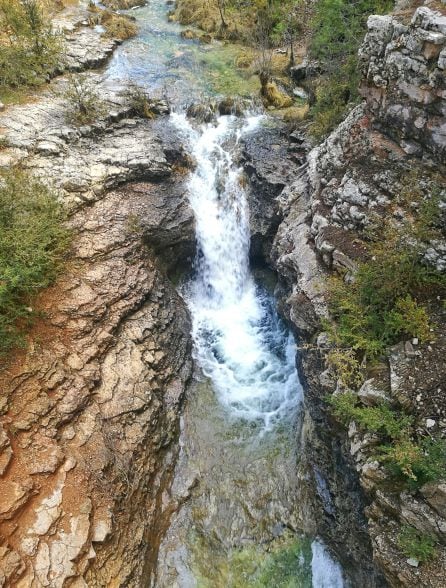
(384, 302)
(29, 50)
(84, 104)
(333, 96)
(375, 419)
(346, 367)
(33, 241)
(416, 545)
(139, 101)
(338, 29)
(417, 464)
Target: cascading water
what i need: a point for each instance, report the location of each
(236, 501)
(240, 342)
(249, 357)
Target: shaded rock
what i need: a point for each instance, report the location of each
(270, 166)
(306, 69)
(435, 494)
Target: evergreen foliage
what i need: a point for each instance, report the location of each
(29, 50)
(339, 27)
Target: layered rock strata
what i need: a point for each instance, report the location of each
(89, 412)
(349, 181)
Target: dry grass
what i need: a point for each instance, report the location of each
(118, 26)
(272, 96)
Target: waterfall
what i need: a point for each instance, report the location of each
(240, 342)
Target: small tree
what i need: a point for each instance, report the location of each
(29, 50)
(221, 8)
(84, 103)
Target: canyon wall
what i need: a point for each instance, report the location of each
(352, 178)
(89, 413)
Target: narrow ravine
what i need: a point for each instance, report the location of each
(235, 488)
(237, 473)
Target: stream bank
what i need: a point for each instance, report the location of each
(91, 420)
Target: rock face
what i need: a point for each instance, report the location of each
(89, 414)
(83, 162)
(353, 177)
(404, 81)
(269, 159)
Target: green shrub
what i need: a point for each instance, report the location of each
(84, 104)
(346, 367)
(32, 244)
(338, 30)
(384, 302)
(375, 419)
(29, 50)
(139, 101)
(416, 545)
(333, 96)
(417, 464)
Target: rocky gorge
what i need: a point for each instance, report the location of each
(355, 174)
(90, 412)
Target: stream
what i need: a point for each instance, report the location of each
(235, 485)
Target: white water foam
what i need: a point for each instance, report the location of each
(326, 572)
(240, 343)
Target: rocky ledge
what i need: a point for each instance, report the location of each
(89, 413)
(352, 178)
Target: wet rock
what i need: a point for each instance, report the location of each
(306, 69)
(270, 166)
(203, 113)
(229, 106)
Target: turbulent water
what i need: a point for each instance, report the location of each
(236, 487)
(239, 436)
(240, 342)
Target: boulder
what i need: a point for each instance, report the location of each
(371, 395)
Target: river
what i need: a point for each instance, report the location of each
(235, 488)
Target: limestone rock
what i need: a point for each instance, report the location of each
(370, 395)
